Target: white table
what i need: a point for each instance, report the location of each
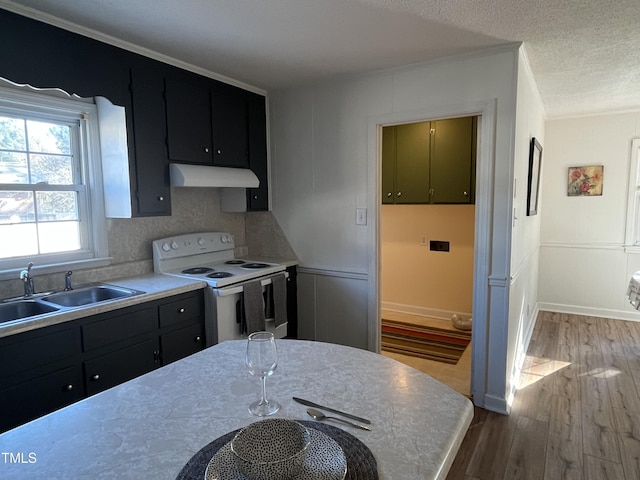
(149, 427)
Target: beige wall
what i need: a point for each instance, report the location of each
(416, 279)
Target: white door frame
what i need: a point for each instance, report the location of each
(485, 165)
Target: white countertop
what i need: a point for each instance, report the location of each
(149, 427)
(154, 287)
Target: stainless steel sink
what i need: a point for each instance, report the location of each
(23, 309)
(90, 294)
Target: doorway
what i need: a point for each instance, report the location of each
(426, 223)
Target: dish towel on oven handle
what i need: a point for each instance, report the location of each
(253, 304)
(279, 299)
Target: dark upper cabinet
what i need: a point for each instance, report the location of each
(207, 122)
(40, 55)
(147, 139)
(189, 134)
(230, 123)
(171, 114)
(258, 198)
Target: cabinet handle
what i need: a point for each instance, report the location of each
(95, 378)
(255, 197)
(389, 194)
(219, 152)
(156, 356)
(181, 310)
(161, 198)
(197, 339)
(206, 149)
(465, 194)
(68, 388)
(399, 194)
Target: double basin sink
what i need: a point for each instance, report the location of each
(39, 304)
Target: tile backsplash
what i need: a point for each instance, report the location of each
(193, 210)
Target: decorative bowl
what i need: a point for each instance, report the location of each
(271, 449)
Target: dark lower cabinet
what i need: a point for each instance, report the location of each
(114, 368)
(45, 369)
(182, 342)
(40, 395)
(292, 302)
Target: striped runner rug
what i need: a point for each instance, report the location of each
(431, 343)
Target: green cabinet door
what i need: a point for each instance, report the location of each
(388, 164)
(412, 162)
(453, 161)
(405, 163)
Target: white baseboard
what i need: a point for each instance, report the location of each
(422, 311)
(590, 311)
(495, 404)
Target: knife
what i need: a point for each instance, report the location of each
(332, 410)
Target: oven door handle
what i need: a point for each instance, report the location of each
(238, 288)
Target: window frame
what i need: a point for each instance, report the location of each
(56, 105)
(632, 233)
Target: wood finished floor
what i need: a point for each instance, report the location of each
(576, 414)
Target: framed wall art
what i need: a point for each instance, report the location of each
(533, 187)
(585, 181)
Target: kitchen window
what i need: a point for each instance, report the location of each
(51, 207)
(632, 240)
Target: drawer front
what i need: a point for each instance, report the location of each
(181, 343)
(23, 352)
(26, 401)
(117, 367)
(118, 328)
(180, 311)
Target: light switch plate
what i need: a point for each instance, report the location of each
(361, 216)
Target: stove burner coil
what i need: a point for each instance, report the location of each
(197, 270)
(234, 262)
(255, 265)
(220, 275)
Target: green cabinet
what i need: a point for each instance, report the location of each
(429, 162)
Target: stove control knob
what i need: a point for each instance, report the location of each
(224, 239)
(166, 247)
(201, 241)
(174, 246)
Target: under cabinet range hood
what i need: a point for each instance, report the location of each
(206, 176)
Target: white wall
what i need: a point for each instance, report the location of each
(525, 233)
(324, 166)
(584, 268)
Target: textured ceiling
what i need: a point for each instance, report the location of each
(585, 55)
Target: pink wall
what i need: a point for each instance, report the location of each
(417, 279)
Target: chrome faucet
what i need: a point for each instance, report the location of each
(67, 281)
(27, 279)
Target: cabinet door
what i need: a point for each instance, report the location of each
(121, 365)
(258, 198)
(452, 163)
(230, 121)
(412, 163)
(149, 139)
(30, 399)
(181, 343)
(188, 106)
(388, 164)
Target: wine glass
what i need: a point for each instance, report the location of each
(261, 360)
